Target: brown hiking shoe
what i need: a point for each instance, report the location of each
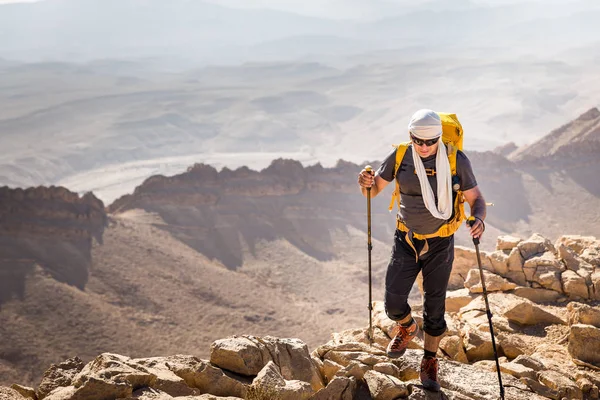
(402, 338)
(429, 370)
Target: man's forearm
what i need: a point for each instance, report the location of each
(478, 208)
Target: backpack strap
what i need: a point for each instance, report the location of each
(400, 151)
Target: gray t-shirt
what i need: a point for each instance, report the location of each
(413, 212)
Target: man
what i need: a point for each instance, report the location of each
(427, 203)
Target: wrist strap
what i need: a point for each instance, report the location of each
(483, 223)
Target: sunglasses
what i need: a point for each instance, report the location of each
(421, 142)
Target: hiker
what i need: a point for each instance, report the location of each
(426, 221)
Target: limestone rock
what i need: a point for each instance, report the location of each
(574, 285)
(465, 259)
(385, 387)
(511, 345)
(518, 370)
(536, 244)
(340, 388)
(493, 282)
(582, 339)
(10, 394)
(330, 369)
(27, 392)
(166, 380)
(529, 362)
(507, 242)
(456, 299)
(477, 344)
(583, 314)
(524, 312)
(247, 355)
(560, 383)
(568, 256)
(452, 346)
(576, 243)
(202, 375)
(270, 382)
(355, 369)
(387, 368)
(537, 295)
(595, 280)
(499, 261)
(59, 375)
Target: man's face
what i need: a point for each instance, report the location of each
(425, 151)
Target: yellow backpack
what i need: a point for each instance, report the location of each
(452, 136)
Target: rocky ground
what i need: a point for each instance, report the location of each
(544, 301)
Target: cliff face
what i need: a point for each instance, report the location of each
(49, 226)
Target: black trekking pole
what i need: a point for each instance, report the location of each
(470, 222)
(369, 247)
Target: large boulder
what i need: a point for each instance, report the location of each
(465, 259)
(537, 295)
(575, 286)
(565, 387)
(507, 242)
(10, 394)
(247, 355)
(340, 388)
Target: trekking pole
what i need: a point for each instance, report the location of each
(470, 222)
(369, 169)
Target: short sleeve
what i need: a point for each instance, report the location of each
(465, 172)
(386, 170)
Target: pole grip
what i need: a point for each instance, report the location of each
(470, 222)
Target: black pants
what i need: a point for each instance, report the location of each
(435, 264)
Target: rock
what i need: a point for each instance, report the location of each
(202, 375)
(524, 312)
(269, 383)
(507, 242)
(166, 380)
(576, 243)
(541, 389)
(452, 346)
(385, 387)
(568, 256)
(529, 362)
(583, 314)
(535, 245)
(148, 394)
(456, 299)
(511, 345)
(111, 375)
(330, 369)
(361, 335)
(499, 261)
(465, 259)
(387, 368)
(354, 369)
(477, 344)
(515, 261)
(381, 320)
(582, 339)
(10, 394)
(409, 365)
(247, 355)
(59, 375)
(560, 383)
(340, 388)
(518, 370)
(27, 392)
(537, 295)
(595, 280)
(574, 285)
(493, 282)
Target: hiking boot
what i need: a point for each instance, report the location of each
(400, 342)
(429, 370)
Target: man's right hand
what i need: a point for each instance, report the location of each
(366, 178)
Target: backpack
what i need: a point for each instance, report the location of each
(452, 136)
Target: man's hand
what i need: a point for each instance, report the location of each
(366, 179)
(477, 228)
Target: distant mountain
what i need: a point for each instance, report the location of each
(575, 142)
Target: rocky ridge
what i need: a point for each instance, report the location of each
(548, 337)
(49, 226)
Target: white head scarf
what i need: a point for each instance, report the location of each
(426, 124)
